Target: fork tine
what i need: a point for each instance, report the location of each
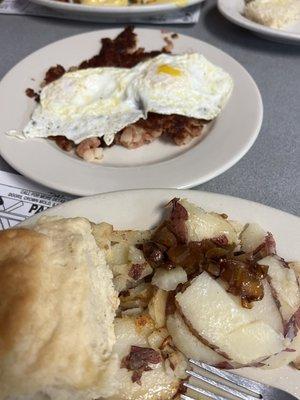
(249, 384)
(202, 391)
(220, 385)
(185, 397)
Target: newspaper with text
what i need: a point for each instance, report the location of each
(20, 199)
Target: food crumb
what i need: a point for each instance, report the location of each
(32, 94)
(169, 45)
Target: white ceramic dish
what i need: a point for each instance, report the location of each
(141, 209)
(160, 164)
(114, 12)
(233, 11)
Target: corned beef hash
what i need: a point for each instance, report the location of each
(129, 97)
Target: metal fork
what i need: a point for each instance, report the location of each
(256, 390)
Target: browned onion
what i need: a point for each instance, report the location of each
(240, 272)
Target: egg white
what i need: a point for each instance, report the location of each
(185, 84)
(85, 103)
(99, 102)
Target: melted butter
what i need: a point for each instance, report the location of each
(167, 69)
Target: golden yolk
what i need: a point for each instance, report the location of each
(167, 69)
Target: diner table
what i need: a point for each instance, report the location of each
(270, 172)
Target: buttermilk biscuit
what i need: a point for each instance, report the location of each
(57, 306)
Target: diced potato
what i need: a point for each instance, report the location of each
(295, 265)
(157, 307)
(178, 361)
(102, 233)
(203, 225)
(156, 384)
(138, 296)
(118, 254)
(130, 237)
(252, 237)
(169, 279)
(121, 283)
(157, 337)
(286, 357)
(135, 255)
(225, 324)
(132, 311)
(285, 285)
(237, 226)
(120, 269)
(188, 344)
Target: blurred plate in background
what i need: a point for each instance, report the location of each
(233, 11)
(132, 11)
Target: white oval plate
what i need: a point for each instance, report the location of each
(142, 209)
(233, 11)
(137, 11)
(160, 164)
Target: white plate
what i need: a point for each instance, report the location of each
(142, 209)
(159, 164)
(233, 9)
(93, 12)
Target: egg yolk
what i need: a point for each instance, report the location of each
(167, 69)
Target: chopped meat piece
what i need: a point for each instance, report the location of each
(90, 150)
(182, 129)
(169, 45)
(62, 142)
(134, 136)
(32, 94)
(221, 240)
(120, 52)
(135, 271)
(137, 376)
(140, 357)
(176, 222)
(54, 73)
(138, 361)
(142, 132)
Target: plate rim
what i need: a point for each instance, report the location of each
(180, 192)
(188, 182)
(125, 10)
(265, 31)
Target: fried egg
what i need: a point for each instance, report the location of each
(99, 102)
(185, 84)
(83, 104)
